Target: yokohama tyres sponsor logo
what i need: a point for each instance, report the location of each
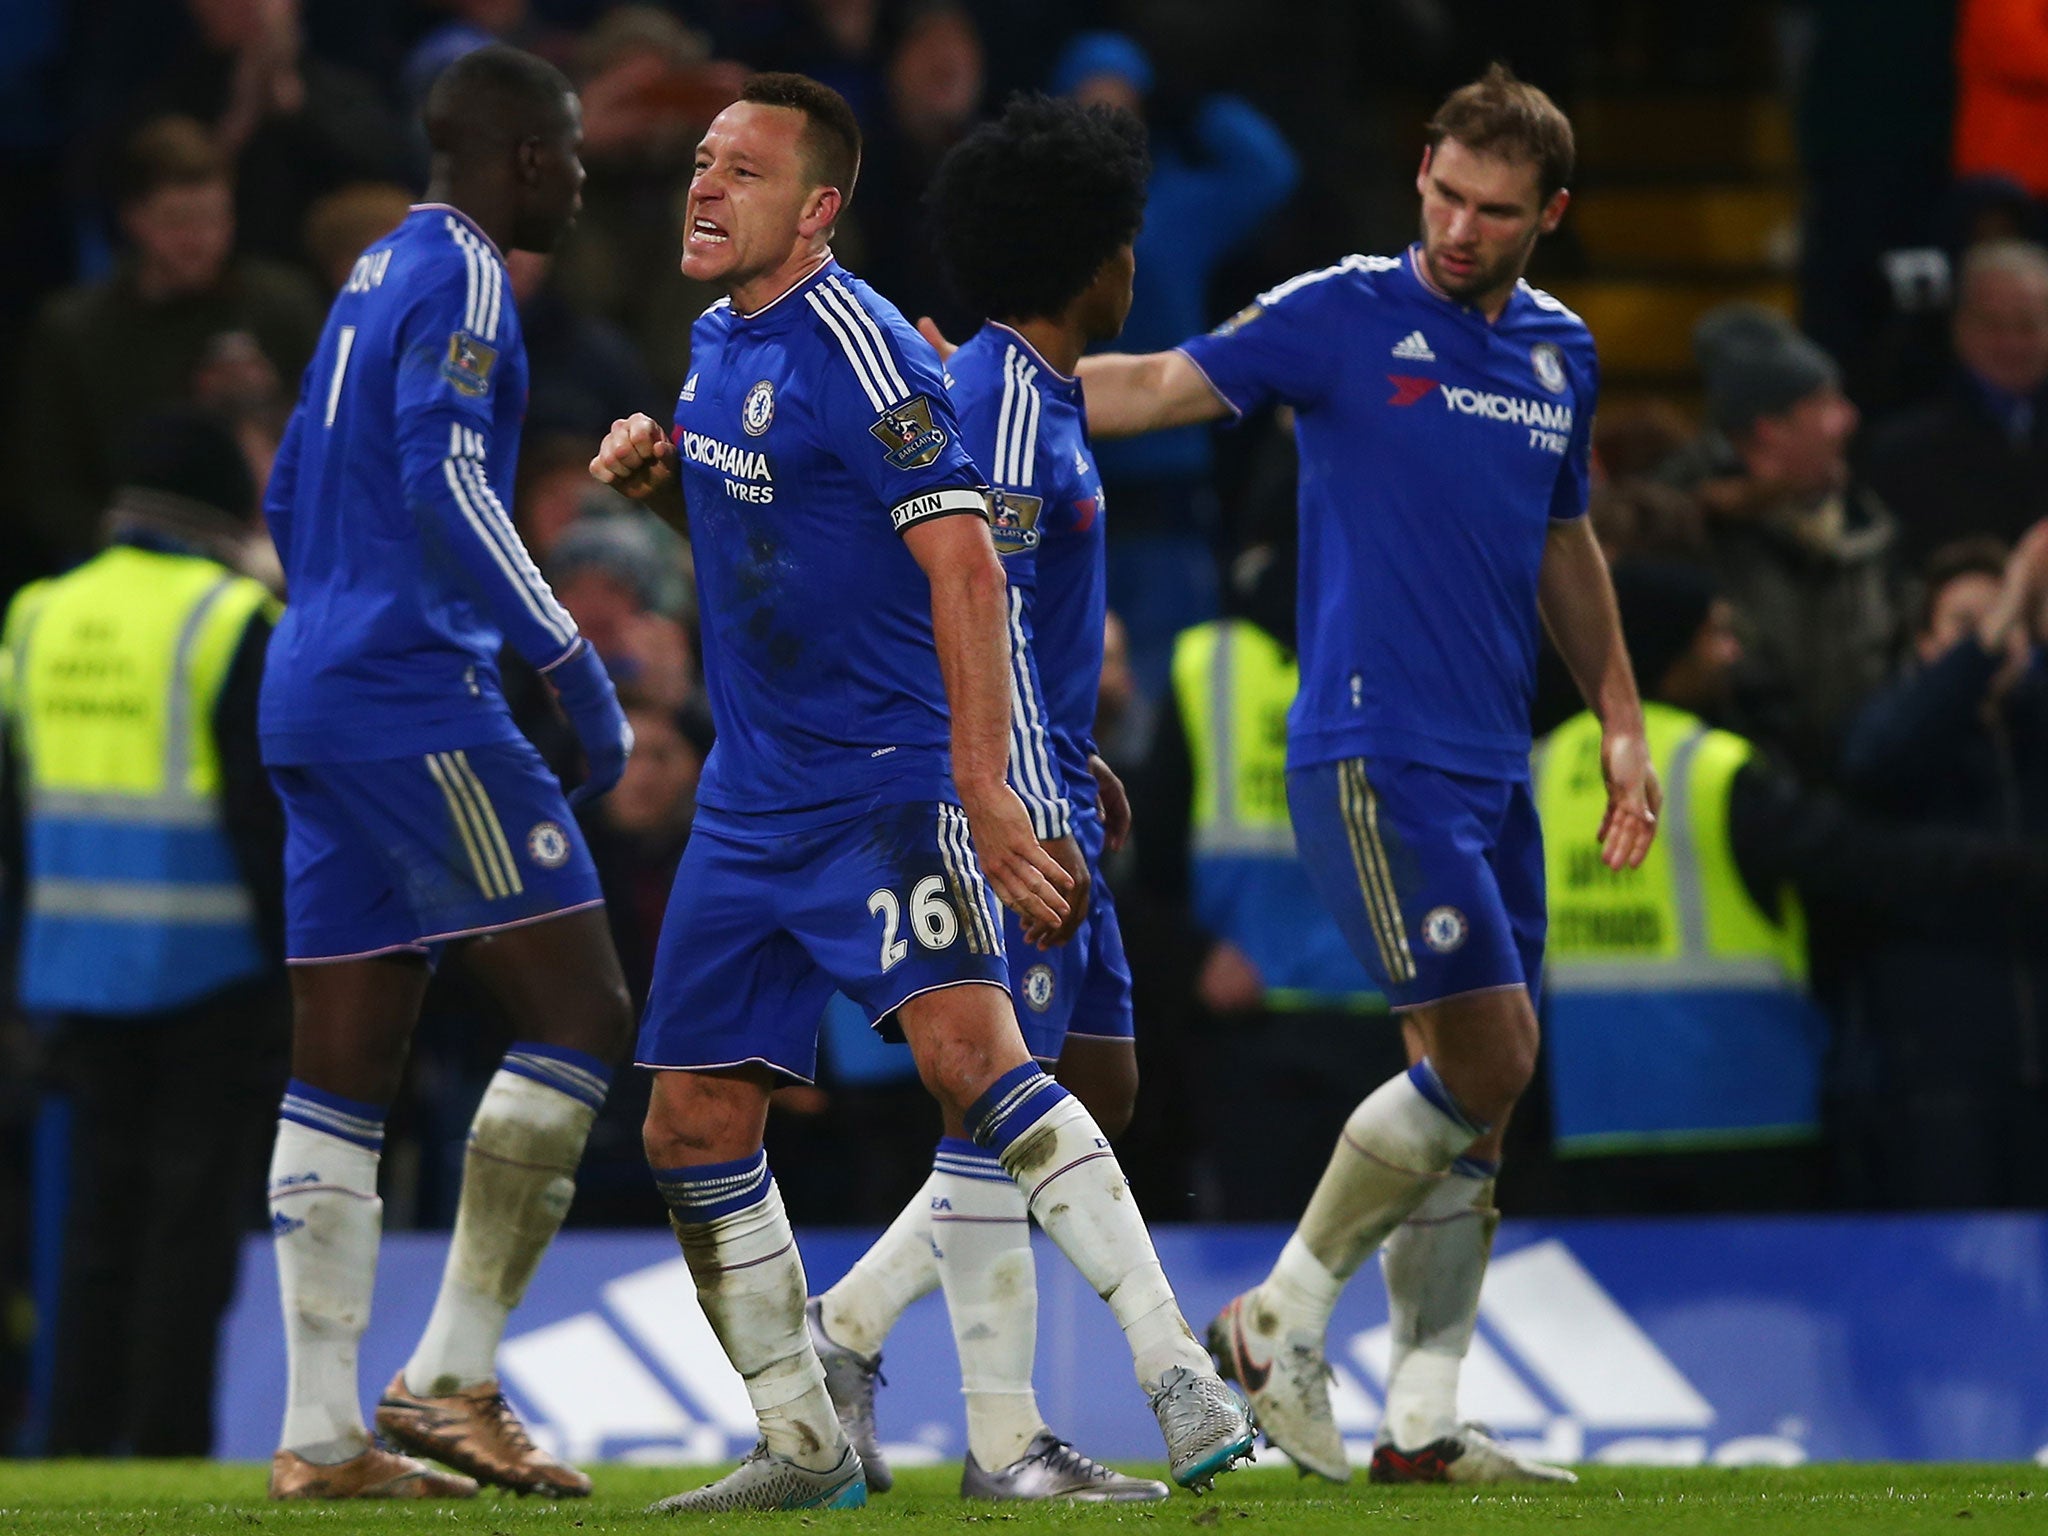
(1549, 415)
(740, 463)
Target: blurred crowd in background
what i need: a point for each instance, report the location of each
(1820, 529)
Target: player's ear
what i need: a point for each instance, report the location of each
(526, 161)
(1553, 211)
(821, 209)
(1422, 171)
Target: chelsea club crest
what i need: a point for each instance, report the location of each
(1549, 364)
(1038, 988)
(759, 409)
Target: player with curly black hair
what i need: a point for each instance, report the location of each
(1035, 215)
(1029, 210)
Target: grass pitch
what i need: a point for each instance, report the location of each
(173, 1498)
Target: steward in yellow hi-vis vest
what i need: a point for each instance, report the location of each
(145, 873)
(133, 898)
(1678, 1014)
(1232, 685)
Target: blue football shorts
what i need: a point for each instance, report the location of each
(399, 854)
(765, 924)
(1082, 987)
(1435, 878)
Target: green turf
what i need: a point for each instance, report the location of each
(174, 1498)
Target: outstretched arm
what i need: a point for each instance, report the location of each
(1576, 599)
(1133, 392)
(971, 630)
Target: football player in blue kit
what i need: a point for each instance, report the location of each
(1035, 216)
(1443, 412)
(857, 658)
(417, 816)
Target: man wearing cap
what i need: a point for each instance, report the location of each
(144, 863)
(1802, 552)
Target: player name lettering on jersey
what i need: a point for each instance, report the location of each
(738, 464)
(1550, 415)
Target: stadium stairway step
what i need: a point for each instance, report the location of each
(1715, 227)
(1719, 137)
(1684, 200)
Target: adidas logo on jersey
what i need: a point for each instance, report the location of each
(1414, 347)
(690, 388)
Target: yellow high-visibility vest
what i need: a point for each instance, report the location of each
(1678, 1014)
(1233, 683)
(109, 676)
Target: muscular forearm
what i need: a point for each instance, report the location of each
(973, 640)
(1576, 599)
(1128, 393)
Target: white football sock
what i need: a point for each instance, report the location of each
(861, 1309)
(981, 1236)
(750, 1282)
(1393, 1152)
(326, 1222)
(1435, 1262)
(518, 1179)
(1061, 1160)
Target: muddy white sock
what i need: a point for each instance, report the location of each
(1393, 1152)
(1061, 1160)
(750, 1282)
(518, 1179)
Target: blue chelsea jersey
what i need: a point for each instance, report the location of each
(387, 504)
(1027, 427)
(811, 435)
(1436, 449)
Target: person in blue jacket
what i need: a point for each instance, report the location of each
(1212, 186)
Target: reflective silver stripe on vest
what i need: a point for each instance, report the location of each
(142, 901)
(1704, 974)
(1227, 834)
(181, 812)
(1694, 968)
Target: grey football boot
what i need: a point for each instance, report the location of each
(1050, 1469)
(850, 1381)
(768, 1481)
(1208, 1427)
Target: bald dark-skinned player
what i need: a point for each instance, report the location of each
(420, 822)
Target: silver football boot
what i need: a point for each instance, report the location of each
(768, 1481)
(1051, 1469)
(850, 1381)
(1207, 1426)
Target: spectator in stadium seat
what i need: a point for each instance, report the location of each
(1945, 1054)
(104, 353)
(1802, 550)
(293, 125)
(143, 850)
(1975, 461)
(933, 87)
(1219, 171)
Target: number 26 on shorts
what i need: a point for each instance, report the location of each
(932, 919)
